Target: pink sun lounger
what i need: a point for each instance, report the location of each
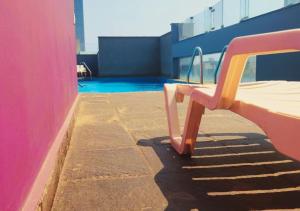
(272, 105)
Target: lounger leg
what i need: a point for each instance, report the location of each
(192, 123)
(172, 113)
(186, 144)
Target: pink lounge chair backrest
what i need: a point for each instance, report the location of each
(239, 50)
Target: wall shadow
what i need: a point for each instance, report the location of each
(237, 174)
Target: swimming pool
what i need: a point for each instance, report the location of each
(117, 85)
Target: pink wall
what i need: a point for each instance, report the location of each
(37, 88)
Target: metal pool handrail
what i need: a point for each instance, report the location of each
(87, 68)
(200, 52)
(219, 63)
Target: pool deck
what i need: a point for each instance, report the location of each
(120, 159)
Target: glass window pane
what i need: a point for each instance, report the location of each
(249, 74)
(226, 13)
(207, 20)
(199, 23)
(217, 15)
(244, 9)
(259, 7)
(183, 67)
(210, 62)
(290, 2)
(195, 25)
(231, 12)
(187, 30)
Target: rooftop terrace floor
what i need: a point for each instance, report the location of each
(120, 159)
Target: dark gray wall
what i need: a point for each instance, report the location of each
(211, 42)
(166, 60)
(129, 56)
(91, 60)
(278, 67)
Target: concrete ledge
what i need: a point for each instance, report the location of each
(44, 188)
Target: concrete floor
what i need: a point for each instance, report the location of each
(120, 159)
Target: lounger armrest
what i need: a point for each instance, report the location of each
(268, 43)
(239, 50)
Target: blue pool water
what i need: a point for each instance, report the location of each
(115, 85)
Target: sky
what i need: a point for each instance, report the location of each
(135, 17)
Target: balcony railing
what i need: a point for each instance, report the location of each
(226, 13)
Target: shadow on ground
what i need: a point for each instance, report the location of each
(225, 175)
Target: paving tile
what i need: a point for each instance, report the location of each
(140, 193)
(137, 98)
(288, 199)
(102, 164)
(104, 108)
(160, 133)
(95, 103)
(91, 120)
(133, 109)
(145, 123)
(93, 98)
(101, 136)
(183, 193)
(225, 127)
(162, 158)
